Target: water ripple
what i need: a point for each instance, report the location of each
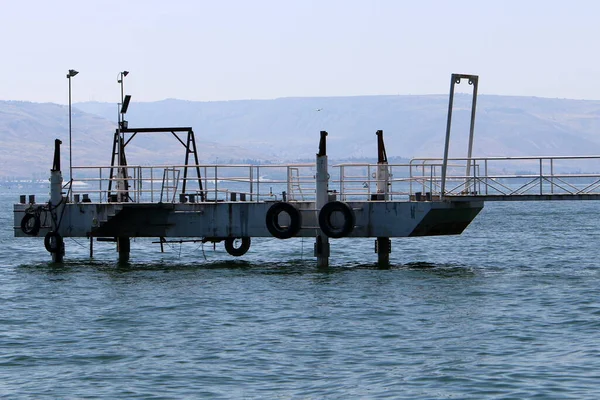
(507, 310)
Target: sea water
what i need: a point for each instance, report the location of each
(509, 309)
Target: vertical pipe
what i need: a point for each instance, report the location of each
(383, 247)
(118, 153)
(486, 177)
(474, 80)
(432, 174)
(541, 181)
(552, 176)
(474, 176)
(382, 244)
(100, 184)
(410, 181)
(342, 195)
(447, 143)
(251, 181)
(322, 241)
(289, 185)
(70, 152)
(423, 174)
(123, 247)
(56, 199)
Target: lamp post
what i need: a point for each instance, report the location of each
(120, 80)
(121, 185)
(71, 74)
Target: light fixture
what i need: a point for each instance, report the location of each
(121, 75)
(71, 74)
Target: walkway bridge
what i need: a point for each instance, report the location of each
(510, 178)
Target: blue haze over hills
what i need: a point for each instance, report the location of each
(287, 129)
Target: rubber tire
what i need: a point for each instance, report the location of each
(325, 219)
(58, 242)
(239, 251)
(35, 229)
(273, 226)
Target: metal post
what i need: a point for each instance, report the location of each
(70, 74)
(100, 185)
(322, 241)
(123, 247)
(121, 171)
(382, 244)
(472, 81)
(289, 184)
(541, 173)
(342, 183)
(486, 177)
(453, 80)
(552, 176)
(257, 183)
(56, 199)
(70, 146)
(216, 193)
(251, 181)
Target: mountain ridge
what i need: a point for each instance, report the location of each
(286, 129)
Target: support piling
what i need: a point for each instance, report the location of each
(382, 244)
(123, 247)
(322, 241)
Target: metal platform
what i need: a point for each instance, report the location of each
(426, 196)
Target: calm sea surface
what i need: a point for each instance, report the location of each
(509, 310)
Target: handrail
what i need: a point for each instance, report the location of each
(511, 175)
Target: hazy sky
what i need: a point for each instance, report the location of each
(260, 49)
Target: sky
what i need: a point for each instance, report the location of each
(262, 49)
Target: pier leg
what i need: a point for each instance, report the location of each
(59, 255)
(383, 245)
(322, 241)
(123, 247)
(322, 251)
(383, 248)
(91, 247)
(56, 198)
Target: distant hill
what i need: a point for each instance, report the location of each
(288, 129)
(414, 125)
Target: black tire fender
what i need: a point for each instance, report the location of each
(30, 224)
(326, 224)
(53, 242)
(237, 251)
(272, 220)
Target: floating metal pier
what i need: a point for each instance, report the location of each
(235, 203)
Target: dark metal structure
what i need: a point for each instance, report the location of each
(120, 142)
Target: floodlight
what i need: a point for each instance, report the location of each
(125, 104)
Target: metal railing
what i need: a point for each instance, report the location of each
(216, 183)
(511, 176)
(418, 179)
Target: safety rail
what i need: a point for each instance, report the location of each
(149, 184)
(510, 176)
(420, 179)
